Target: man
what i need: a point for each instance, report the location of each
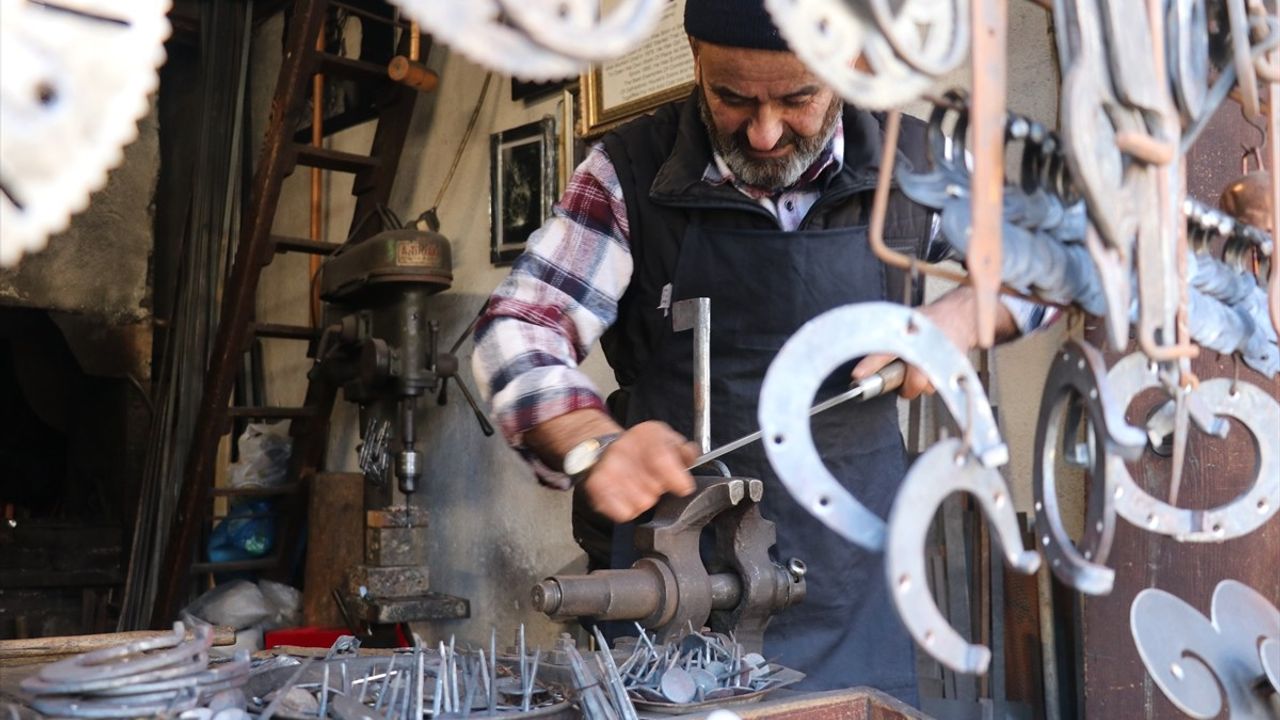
(754, 192)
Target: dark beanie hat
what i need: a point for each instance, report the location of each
(735, 23)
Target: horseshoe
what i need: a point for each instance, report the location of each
(475, 28)
(1189, 665)
(932, 51)
(1079, 373)
(847, 51)
(571, 28)
(1188, 51)
(814, 352)
(1242, 57)
(1260, 415)
(943, 469)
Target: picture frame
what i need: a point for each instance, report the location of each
(523, 172)
(573, 145)
(657, 72)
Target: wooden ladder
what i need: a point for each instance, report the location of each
(237, 327)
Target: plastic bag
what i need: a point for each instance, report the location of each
(238, 603)
(286, 600)
(264, 450)
(247, 532)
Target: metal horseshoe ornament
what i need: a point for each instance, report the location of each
(1260, 415)
(1079, 374)
(943, 469)
(820, 347)
(572, 28)
(852, 48)
(477, 29)
(1229, 653)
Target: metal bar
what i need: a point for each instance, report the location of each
(1273, 117)
(695, 314)
(990, 27)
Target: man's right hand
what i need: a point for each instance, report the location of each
(638, 468)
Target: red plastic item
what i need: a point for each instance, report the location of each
(316, 637)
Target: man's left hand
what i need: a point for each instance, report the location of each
(954, 313)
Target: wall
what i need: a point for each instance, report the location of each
(99, 266)
(494, 531)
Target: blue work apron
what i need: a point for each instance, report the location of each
(763, 285)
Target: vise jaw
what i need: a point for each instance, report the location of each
(671, 588)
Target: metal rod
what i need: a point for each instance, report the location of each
(990, 26)
(888, 379)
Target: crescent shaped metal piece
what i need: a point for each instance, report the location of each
(1260, 415)
(943, 469)
(1079, 373)
(475, 29)
(815, 351)
(571, 28)
(848, 53)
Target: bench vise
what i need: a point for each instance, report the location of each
(671, 588)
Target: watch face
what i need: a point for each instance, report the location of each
(581, 457)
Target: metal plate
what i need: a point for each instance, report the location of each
(1188, 665)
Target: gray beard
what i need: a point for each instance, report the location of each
(772, 174)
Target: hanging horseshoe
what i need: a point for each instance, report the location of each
(1208, 657)
(572, 29)
(844, 48)
(925, 34)
(1079, 374)
(943, 469)
(821, 346)
(1260, 415)
(1242, 57)
(1188, 51)
(476, 29)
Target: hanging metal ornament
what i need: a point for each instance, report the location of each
(875, 57)
(1195, 660)
(74, 79)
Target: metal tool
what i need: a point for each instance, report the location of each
(1209, 657)
(670, 589)
(945, 468)
(888, 379)
(695, 314)
(1079, 375)
(820, 347)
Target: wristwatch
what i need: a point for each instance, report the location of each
(582, 458)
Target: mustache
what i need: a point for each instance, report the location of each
(742, 141)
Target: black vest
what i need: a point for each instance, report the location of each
(660, 160)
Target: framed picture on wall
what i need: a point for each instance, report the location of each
(657, 72)
(573, 146)
(523, 170)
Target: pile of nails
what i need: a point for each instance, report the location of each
(700, 667)
(447, 681)
(166, 675)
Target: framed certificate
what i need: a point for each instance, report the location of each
(657, 72)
